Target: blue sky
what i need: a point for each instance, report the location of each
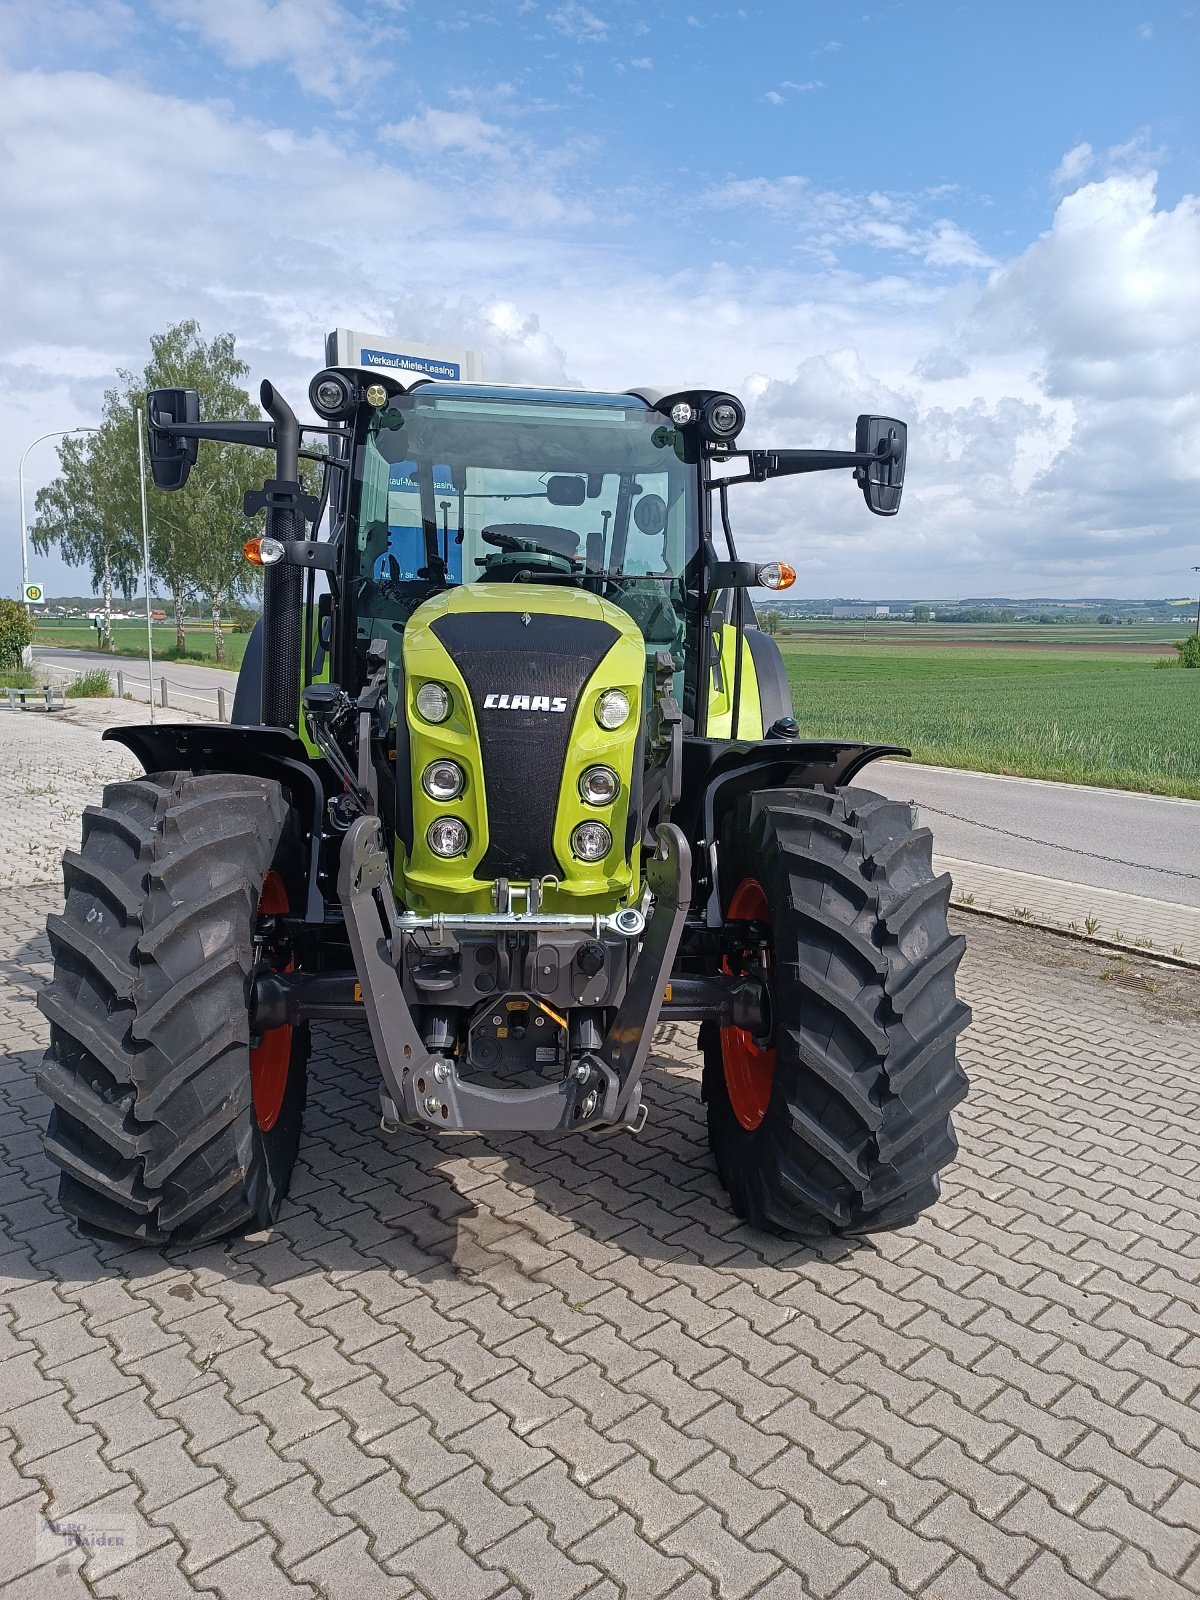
(981, 217)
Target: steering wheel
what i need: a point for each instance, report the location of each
(521, 559)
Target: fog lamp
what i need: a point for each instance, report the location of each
(681, 414)
(591, 841)
(448, 836)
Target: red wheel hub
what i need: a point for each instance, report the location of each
(272, 1055)
(749, 1069)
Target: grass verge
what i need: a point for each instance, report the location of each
(1071, 716)
(92, 685)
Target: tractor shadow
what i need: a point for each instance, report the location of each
(502, 1206)
(499, 1211)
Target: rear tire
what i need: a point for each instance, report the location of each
(154, 1122)
(847, 1128)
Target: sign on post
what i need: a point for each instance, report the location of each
(35, 594)
(345, 347)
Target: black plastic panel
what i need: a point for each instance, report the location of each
(549, 658)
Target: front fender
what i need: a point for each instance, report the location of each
(716, 773)
(276, 753)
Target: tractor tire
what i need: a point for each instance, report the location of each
(170, 1123)
(838, 1121)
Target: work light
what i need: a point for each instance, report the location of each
(333, 396)
(722, 419)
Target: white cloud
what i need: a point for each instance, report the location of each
(828, 220)
(1055, 425)
(578, 23)
(441, 132)
(948, 245)
(1073, 166)
(320, 42)
(31, 29)
(643, 63)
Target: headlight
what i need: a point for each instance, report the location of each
(442, 780)
(448, 836)
(599, 786)
(433, 702)
(591, 841)
(681, 413)
(612, 709)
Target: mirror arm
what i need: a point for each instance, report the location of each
(765, 464)
(261, 434)
(783, 463)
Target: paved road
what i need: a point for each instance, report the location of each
(1133, 843)
(191, 685)
(523, 1369)
(1106, 838)
(559, 1370)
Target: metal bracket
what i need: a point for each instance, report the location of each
(365, 890)
(280, 495)
(627, 1044)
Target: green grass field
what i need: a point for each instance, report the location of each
(951, 634)
(130, 640)
(1078, 716)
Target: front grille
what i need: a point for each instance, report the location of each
(547, 658)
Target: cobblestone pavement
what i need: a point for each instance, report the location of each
(52, 764)
(472, 1369)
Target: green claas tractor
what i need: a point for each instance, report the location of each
(514, 775)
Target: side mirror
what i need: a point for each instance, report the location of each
(171, 458)
(886, 441)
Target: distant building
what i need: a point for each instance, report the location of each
(861, 611)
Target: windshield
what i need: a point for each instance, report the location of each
(461, 489)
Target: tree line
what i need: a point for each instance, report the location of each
(91, 513)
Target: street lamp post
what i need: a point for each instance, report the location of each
(55, 433)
